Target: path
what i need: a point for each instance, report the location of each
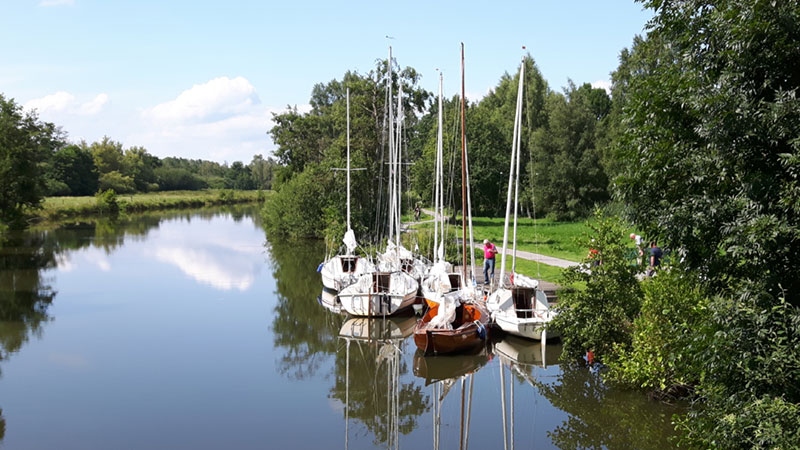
(544, 259)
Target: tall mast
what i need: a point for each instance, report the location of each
(463, 172)
(398, 178)
(348, 159)
(512, 174)
(438, 179)
(518, 126)
(391, 142)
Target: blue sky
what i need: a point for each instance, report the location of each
(201, 79)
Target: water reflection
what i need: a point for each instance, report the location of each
(374, 391)
(599, 415)
(25, 292)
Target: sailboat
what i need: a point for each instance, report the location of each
(441, 279)
(342, 270)
(393, 284)
(459, 320)
(518, 306)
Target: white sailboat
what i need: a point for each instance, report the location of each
(393, 284)
(518, 306)
(342, 270)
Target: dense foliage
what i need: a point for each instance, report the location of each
(704, 146)
(24, 143)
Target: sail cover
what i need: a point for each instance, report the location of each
(350, 241)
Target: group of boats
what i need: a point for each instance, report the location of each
(457, 312)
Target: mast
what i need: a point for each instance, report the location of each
(348, 159)
(511, 175)
(391, 143)
(463, 172)
(518, 126)
(399, 143)
(438, 178)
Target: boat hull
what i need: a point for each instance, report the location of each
(368, 298)
(472, 331)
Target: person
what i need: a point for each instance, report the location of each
(489, 251)
(638, 239)
(655, 257)
(416, 212)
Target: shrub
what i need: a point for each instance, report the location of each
(117, 182)
(600, 316)
(107, 202)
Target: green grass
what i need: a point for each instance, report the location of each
(55, 208)
(543, 236)
(407, 218)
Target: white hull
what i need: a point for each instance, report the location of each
(536, 312)
(363, 298)
(335, 275)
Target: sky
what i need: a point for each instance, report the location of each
(201, 79)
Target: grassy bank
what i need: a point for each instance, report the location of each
(56, 208)
(543, 236)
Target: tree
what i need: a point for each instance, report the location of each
(73, 166)
(140, 165)
(568, 178)
(108, 156)
(24, 143)
(709, 160)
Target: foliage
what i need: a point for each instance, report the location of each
(710, 153)
(107, 202)
(315, 143)
(72, 169)
(295, 208)
(116, 181)
(673, 312)
(24, 143)
(568, 179)
(751, 382)
(600, 316)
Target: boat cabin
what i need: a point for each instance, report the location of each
(348, 263)
(381, 281)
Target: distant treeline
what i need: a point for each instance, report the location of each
(37, 160)
(83, 169)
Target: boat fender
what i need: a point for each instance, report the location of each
(319, 267)
(481, 330)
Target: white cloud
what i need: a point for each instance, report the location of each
(217, 98)
(94, 106)
(603, 84)
(65, 103)
(57, 3)
(59, 101)
(222, 119)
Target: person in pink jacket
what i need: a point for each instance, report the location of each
(489, 251)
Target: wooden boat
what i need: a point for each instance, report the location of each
(468, 329)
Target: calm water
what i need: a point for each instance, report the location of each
(194, 330)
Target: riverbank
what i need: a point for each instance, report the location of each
(58, 208)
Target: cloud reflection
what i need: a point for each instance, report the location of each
(224, 259)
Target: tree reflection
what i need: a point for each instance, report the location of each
(306, 331)
(605, 416)
(25, 294)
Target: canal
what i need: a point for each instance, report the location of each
(193, 329)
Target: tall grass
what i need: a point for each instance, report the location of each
(55, 208)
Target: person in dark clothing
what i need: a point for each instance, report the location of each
(655, 257)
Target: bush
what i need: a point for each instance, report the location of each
(107, 202)
(600, 316)
(660, 358)
(298, 206)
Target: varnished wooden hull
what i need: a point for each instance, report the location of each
(465, 336)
